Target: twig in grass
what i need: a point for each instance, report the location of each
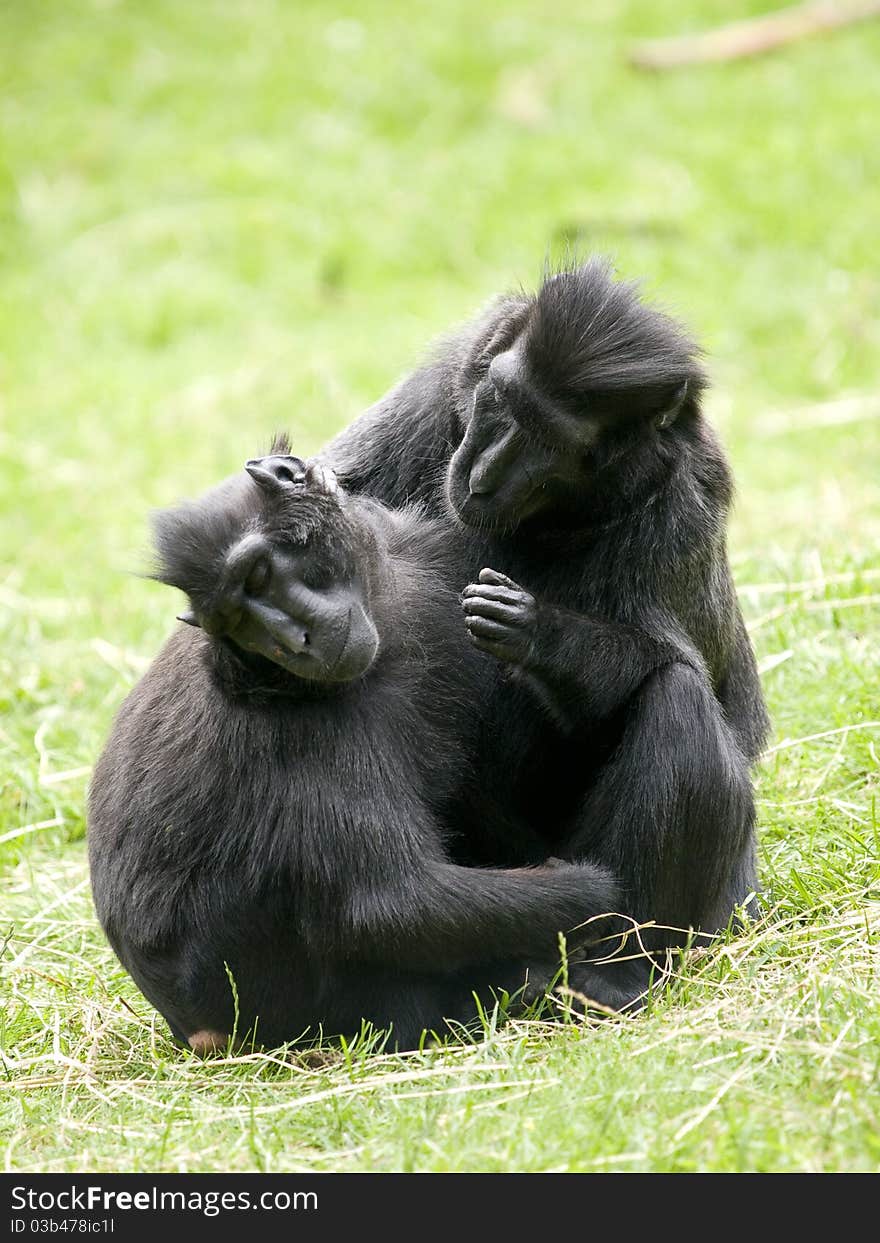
(772, 662)
(859, 408)
(812, 606)
(370, 1083)
(788, 743)
(847, 602)
(68, 774)
(807, 584)
(816, 798)
(846, 809)
(617, 1157)
(55, 823)
(753, 36)
(531, 1085)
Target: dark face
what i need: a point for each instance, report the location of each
(289, 578)
(316, 626)
(521, 454)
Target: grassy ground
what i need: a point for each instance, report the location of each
(221, 218)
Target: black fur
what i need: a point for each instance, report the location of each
(587, 334)
(267, 849)
(564, 432)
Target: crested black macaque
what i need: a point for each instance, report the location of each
(564, 431)
(266, 823)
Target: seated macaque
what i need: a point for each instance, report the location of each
(267, 823)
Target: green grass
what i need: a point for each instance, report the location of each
(221, 218)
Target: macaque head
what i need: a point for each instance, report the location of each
(274, 565)
(580, 376)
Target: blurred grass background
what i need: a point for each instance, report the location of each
(224, 217)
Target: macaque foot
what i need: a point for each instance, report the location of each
(207, 1043)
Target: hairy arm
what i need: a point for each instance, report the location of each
(398, 450)
(445, 917)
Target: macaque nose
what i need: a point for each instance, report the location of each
(294, 641)
(296, 637)
(481, 481)
(492, 464)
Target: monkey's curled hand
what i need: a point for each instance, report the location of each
(501, 617)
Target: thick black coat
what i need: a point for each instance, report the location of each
(267, 855)
(623, 726)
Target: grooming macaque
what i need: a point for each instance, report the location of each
(563, 432)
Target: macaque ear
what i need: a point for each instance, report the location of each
(280, 473)
(672, 409)
(213, 625)
(277, 473)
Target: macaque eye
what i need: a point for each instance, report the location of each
(318, 577)
(258, 579)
